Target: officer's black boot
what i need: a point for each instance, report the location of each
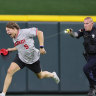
(92, 91)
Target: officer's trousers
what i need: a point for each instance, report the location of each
(90, 70)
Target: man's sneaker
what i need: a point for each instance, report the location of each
(92, 92)
(56, 78)
(2, 94)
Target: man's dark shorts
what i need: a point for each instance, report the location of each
(35, 67)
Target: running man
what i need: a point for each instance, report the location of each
(28, 56)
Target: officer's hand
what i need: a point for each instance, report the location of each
(68, 31)
(42, 51)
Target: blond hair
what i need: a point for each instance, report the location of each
(89, 18)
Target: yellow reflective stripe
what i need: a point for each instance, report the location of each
(53, 18)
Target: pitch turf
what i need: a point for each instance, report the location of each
(47, 95)
(48, 7)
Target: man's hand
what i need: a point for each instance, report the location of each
(3, 52)
(42, 51)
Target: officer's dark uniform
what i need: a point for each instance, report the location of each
(90, 54)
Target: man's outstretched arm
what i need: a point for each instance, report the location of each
(12, 49)
(41, 41)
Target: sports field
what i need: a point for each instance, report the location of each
(47, 95)
(48, 7)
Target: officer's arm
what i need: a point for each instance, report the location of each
(12, 49)
(74, 34)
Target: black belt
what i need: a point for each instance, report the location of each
(93, 54)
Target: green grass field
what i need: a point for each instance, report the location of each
(47, 95)
(48, 7)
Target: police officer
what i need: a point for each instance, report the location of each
(89, 35)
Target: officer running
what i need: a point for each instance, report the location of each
(89, 35)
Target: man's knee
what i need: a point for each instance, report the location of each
(10, 71)
(40, 75)
(13, 68)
